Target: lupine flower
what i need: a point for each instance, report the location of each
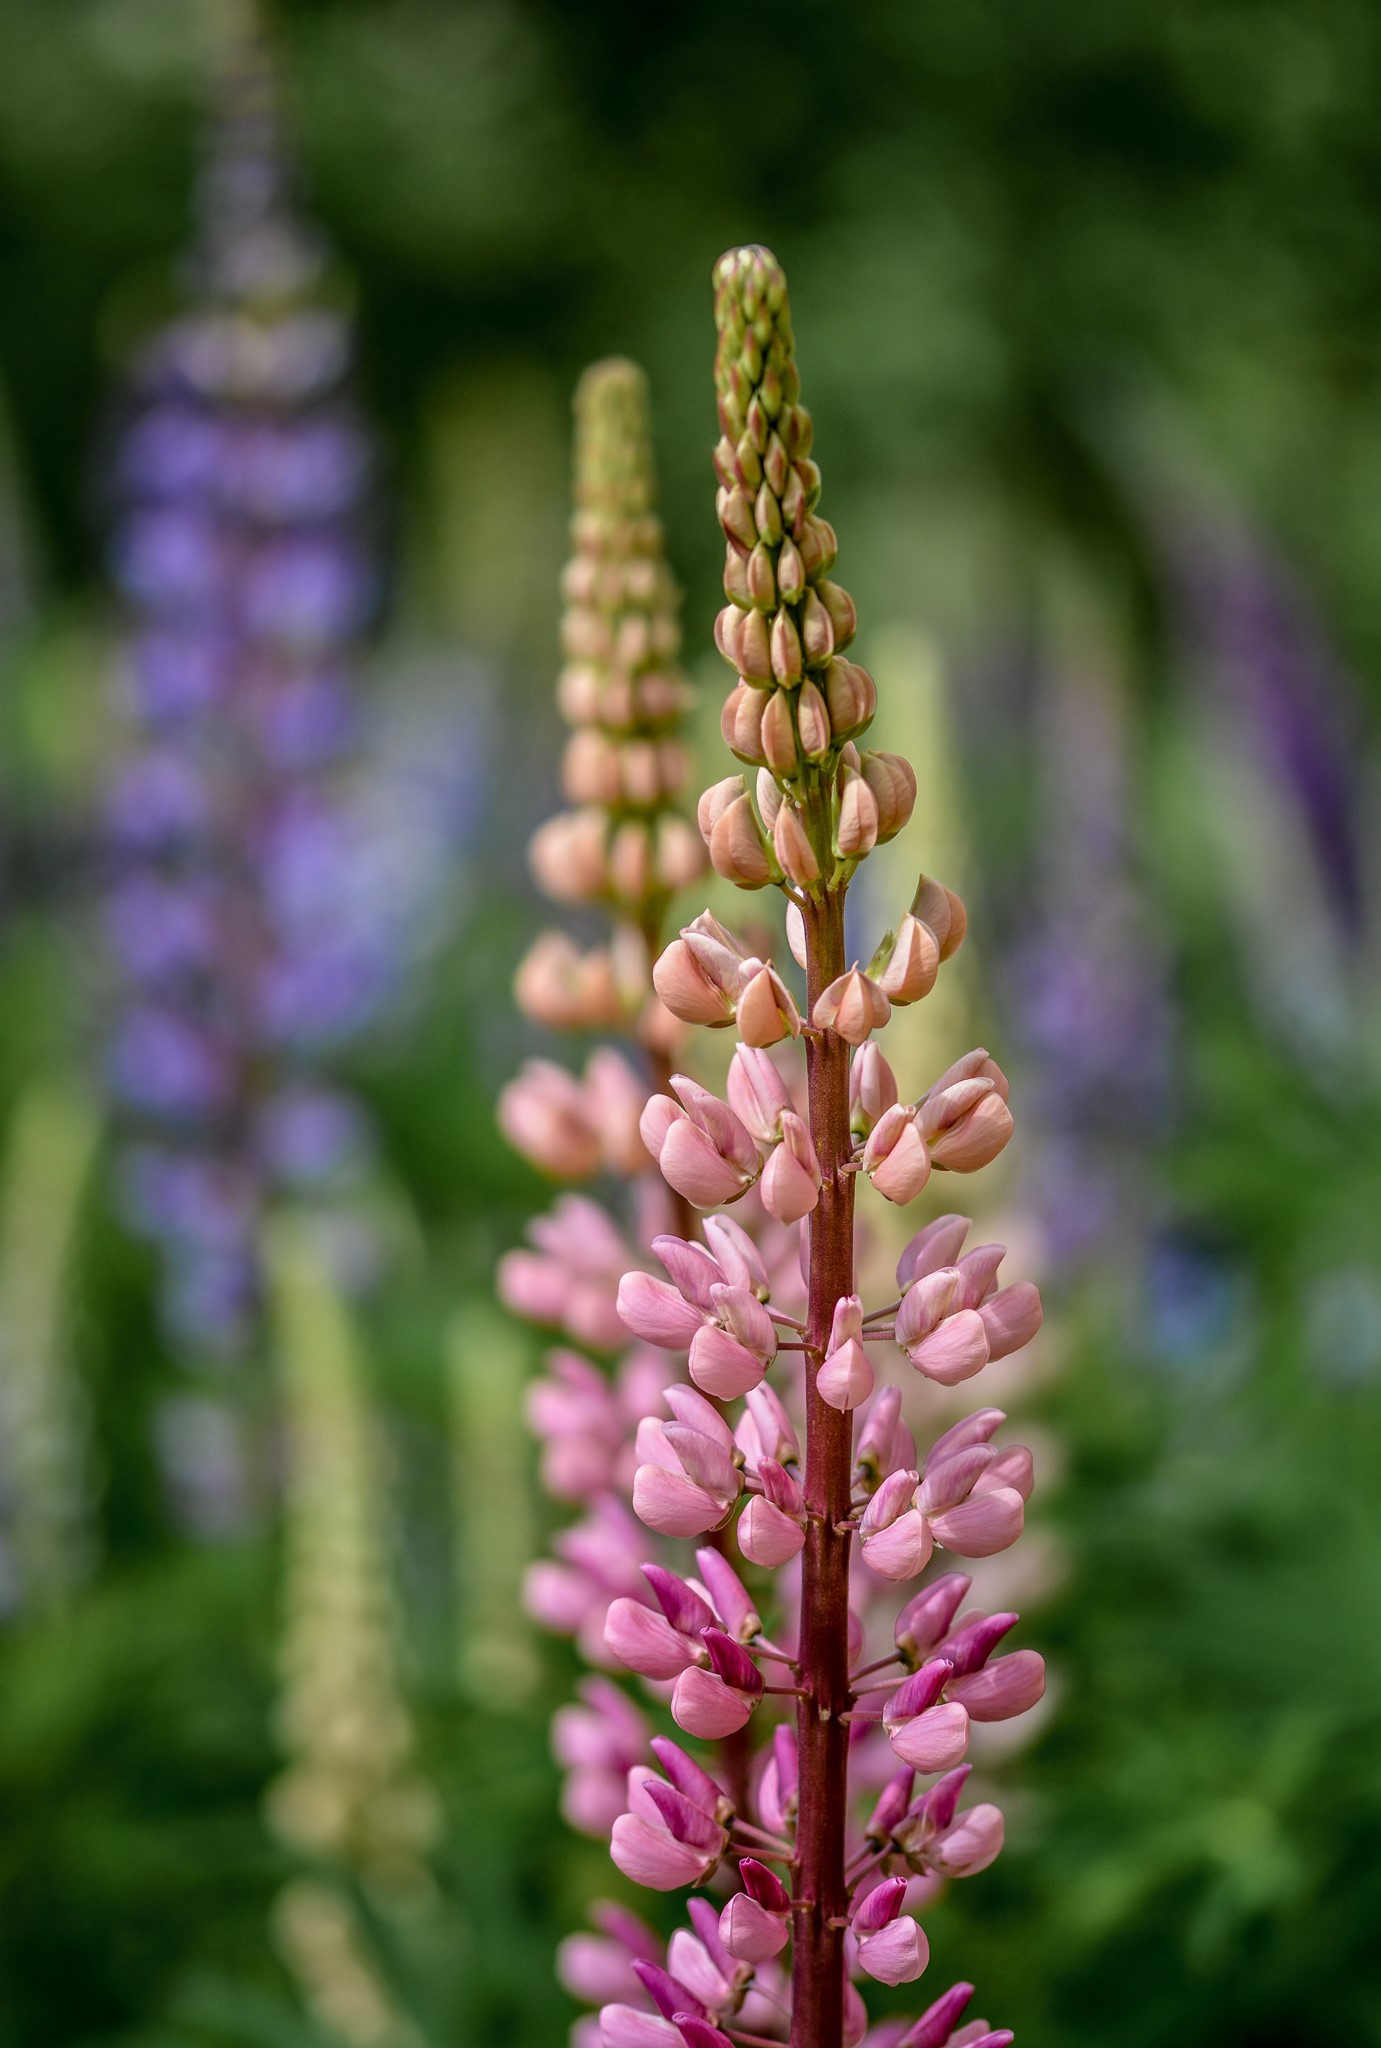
(253, 911)
(802, 1873)
(349, 1799)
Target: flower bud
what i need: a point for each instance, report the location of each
(872, 1088)
(767, 1010)
(839, 608)
(851, 697)
(857, 830)
(897, 1954)
(688, 991)
(817, 631)
(757, 1093)
(565, 989)
(912, 963)
(703, 1149)
(942, 910)
(895, 1157)
(893, 783)
(630, 861)
(750, 1932)
(845, 1378)
(762, 582)
(721, 1366)
(785, 649)
(779, 735)
(935, 1740)
(965, 1125)
(704, 1705)
(568, 857)
(679, 857)
(791, 1178)
(1001, 1690)
(795, 854)
(736, 575)
(544, 1114)
(767, 1535)
(740, 723)
(738, 851)
(755, 649)
(852, 1005)
(791, 573)
(813, 722)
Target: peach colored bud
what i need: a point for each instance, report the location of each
(736, 575)
(913, 964)
(565, 989)
(767, 1010)
(817, 632)
(767, 514)
(687, 990)
(779, 735)
(872, 1088)
(735, 511)
(895, 1157)
(769, 797)
(942, 910)
(630, 861)
(590, 768)
(767, 1535)
(965, 1125)
(839, 607)
(818, 546)
(852, 1005)
(543, 1113)
(857, 831)
(679, 858)
(715, 801)
(762, 582)
(757, 1094)
(978, 1065)
(791, 1178)
(852, 698)
(755, 649)
(740, 723)
(614, 1100)
(785, 649)
(813, 723)
(796, 933)
(727, 627)
(791, 572)
(568, 856)
(737, 848)
(893, 782)
(795, 854)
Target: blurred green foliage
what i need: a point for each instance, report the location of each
(1015, 235)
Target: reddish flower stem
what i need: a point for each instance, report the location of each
(821, 1902)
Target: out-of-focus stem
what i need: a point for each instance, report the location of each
(823, 1737)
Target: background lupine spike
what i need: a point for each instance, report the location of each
(349, 1801)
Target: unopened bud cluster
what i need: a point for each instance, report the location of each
(799, 705)
(620, 690)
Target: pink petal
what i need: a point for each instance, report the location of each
(935, 1740)
(750, 1932)
(673, 1504)
(955, 1351)
(652, 1857)
(983, 1524)
(704, 1705)
(766, 1536)
(900, 1550)
(1004, 1688)
(896, 1955)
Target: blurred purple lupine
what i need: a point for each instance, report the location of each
(1090, 978)
(256, 909)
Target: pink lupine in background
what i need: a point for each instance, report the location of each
(818, 1801)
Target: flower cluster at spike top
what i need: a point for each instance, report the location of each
(820, 1802)
(244, 907)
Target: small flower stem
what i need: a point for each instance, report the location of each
(875, 1315)
(878, 1664)
(771, 1844)
(822, 1735)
